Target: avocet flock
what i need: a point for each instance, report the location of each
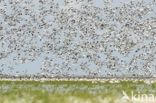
(93, 38)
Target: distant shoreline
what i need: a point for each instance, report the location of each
(147, 80)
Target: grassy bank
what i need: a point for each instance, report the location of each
(74, 91)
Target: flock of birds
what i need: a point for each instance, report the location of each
(78, 38)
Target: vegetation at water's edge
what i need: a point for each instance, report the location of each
(70, 91)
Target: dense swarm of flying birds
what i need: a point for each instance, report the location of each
(79, 38)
